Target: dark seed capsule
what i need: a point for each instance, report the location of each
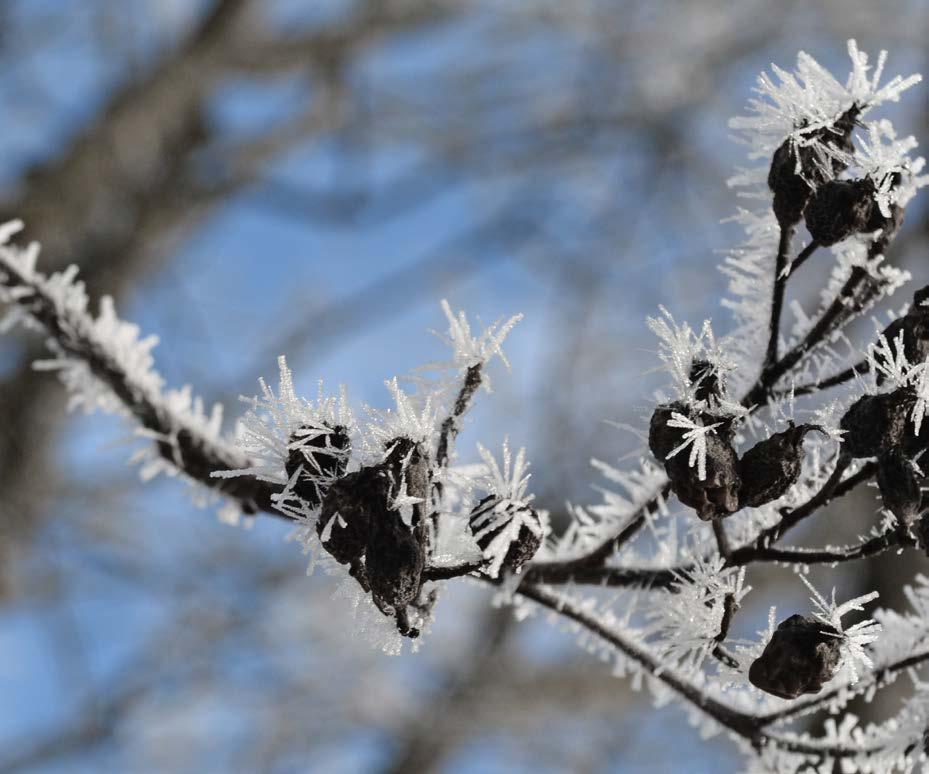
(914, 326)
(899, 486)
(791, 191)
(662, 440)
(322, 454)
(797, 169)
(877, 423)
(718, 493)
(406, 463)
(838, 209)
(348, 506)
(398, 452)
(802, 656)
(491, 516)
(772, 466)
(394, 559)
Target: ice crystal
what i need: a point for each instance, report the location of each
(855, 638)
(275, 423)
(695, 433)
(794, 104)
(889, 359)
(687, 619)
(680, 346)
(886, 161)
(469, 350)
(414, 417)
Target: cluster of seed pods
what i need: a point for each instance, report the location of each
(360, 526)
(880, 425)
(763, 474)
(804, 653)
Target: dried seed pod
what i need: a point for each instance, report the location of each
(896, 478)
(492, 516)
(838, 209)
(322, 453)
(662, 440)
(914, 326)
(407, 467)
(706, 380)
(791, 190)
(875, 424)
(797, 169)
(394, 560)
(772, 466)
(717, 494)
(348, 506)
(802, 656)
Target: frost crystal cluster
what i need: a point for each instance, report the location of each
(755, 432)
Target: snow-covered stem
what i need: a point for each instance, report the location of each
(451, 425)
(749, 727)
(180, 443)
(777, 296)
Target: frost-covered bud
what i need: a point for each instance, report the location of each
(706, 380)
(714, 494)
(322, 454)
(344, 522)
(772, 466)
(506, 527)
(838, 209)
(802, 656)
(899, 485)
(914, 326)
(791, 191)
(875, 424)
(406, 462)
(358, 520)
(797, 169)
(395, 558)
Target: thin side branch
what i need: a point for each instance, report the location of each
(802, 257)
(777, 296)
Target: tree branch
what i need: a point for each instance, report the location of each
(177, 442)
(777, 296)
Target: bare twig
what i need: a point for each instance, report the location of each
(777, 296)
